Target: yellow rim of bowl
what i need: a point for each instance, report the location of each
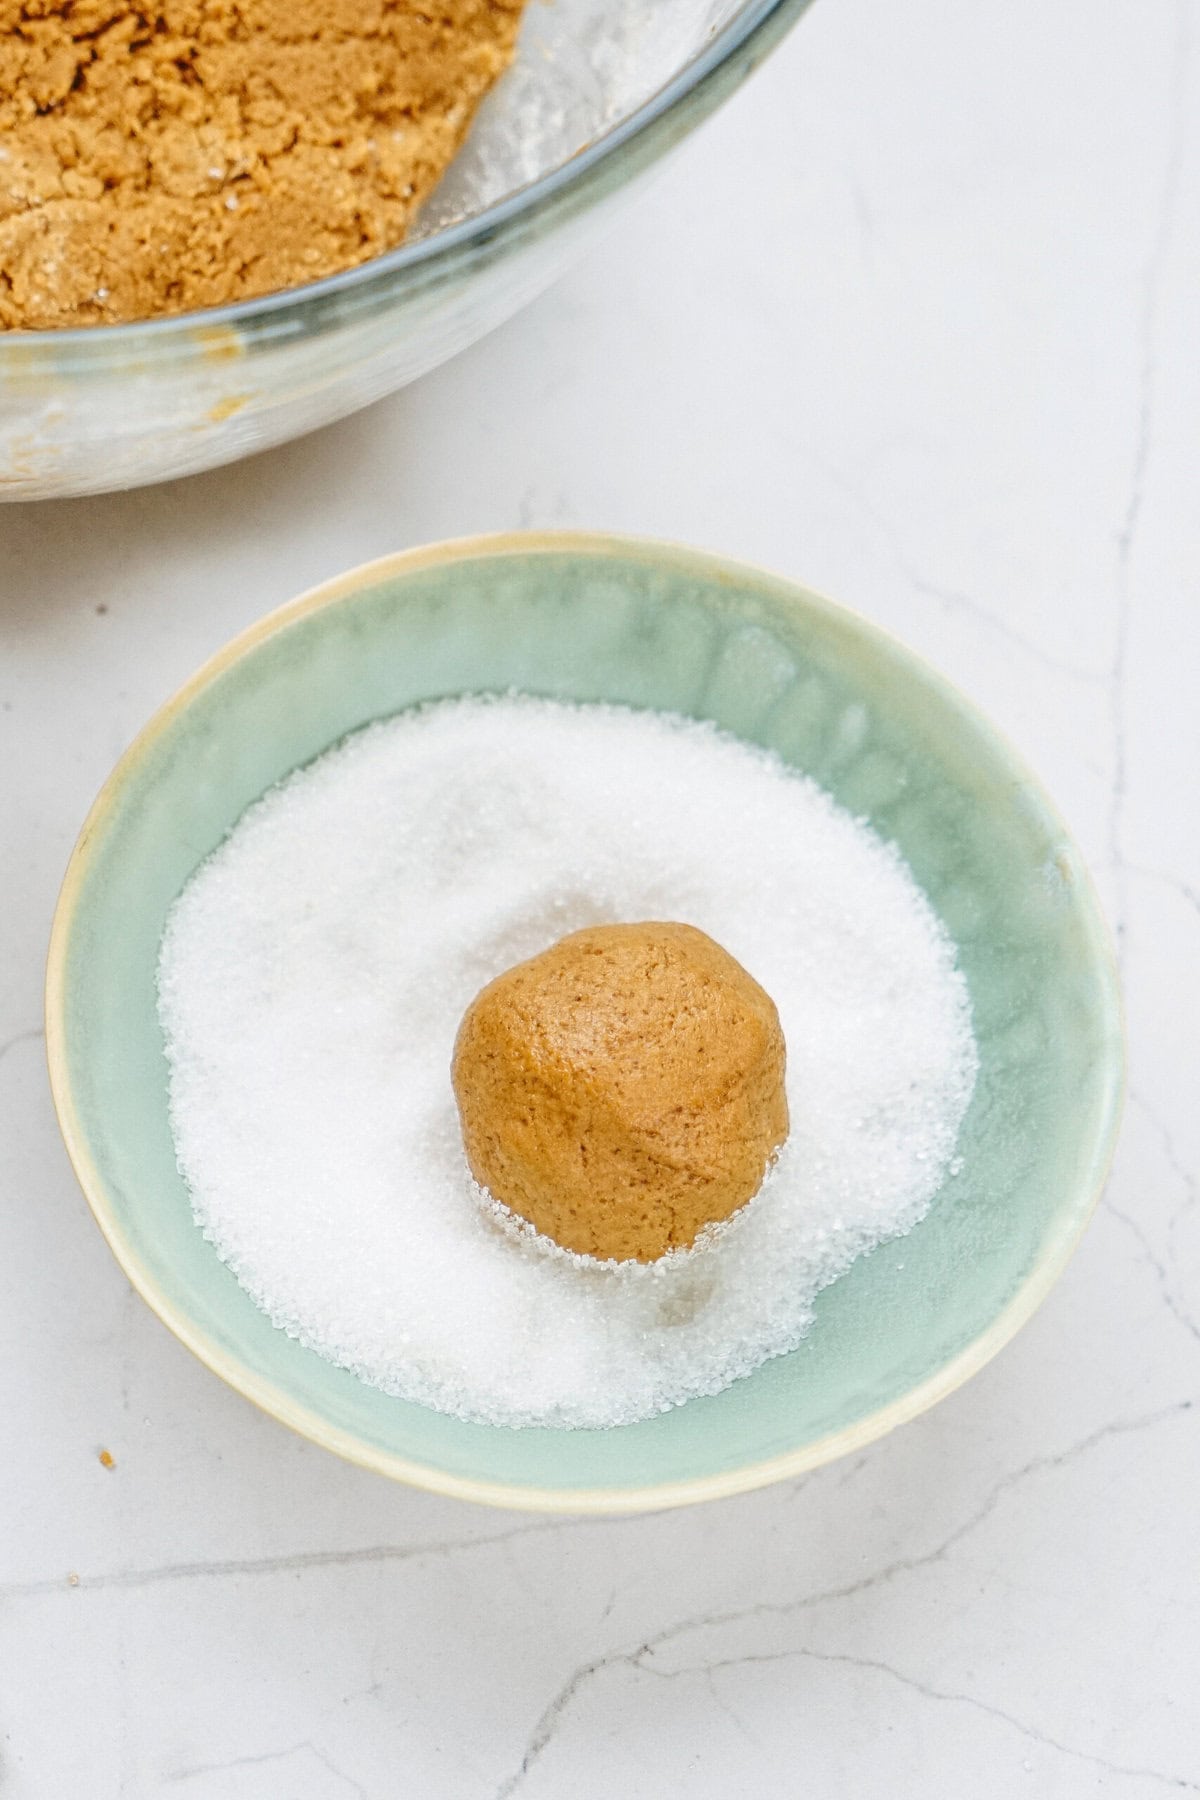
(617, 1500)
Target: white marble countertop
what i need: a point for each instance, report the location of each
(915, 321)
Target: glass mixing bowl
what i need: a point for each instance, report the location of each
(600, 90)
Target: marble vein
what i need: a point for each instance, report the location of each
(1161, 1275)
(1185, 1176)
(874, 1665)
(31, 1036)
(269, 1756)
(953, 599)
(127, 1579)
(722, 1705)
(546, 1727)
(1176, 883)
(1147, 364)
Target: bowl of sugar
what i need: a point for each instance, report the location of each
(461, 771)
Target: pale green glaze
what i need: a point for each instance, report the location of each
(596, 619)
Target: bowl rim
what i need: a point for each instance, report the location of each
(645, 132)
(274, 1400)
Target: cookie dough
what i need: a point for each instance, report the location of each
(162, 157)
(622, 1090)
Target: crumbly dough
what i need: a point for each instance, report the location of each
(162, 157)
(622, 1090)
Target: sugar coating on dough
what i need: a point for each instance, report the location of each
(195, 152)
(623, 1089)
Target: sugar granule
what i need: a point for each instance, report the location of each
(314, 971)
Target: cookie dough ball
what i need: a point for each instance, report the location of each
(622, 1090)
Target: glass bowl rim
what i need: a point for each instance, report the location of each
(442, 251)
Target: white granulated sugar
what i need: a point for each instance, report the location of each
(314, 972)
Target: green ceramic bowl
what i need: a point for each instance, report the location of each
(590, 618)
